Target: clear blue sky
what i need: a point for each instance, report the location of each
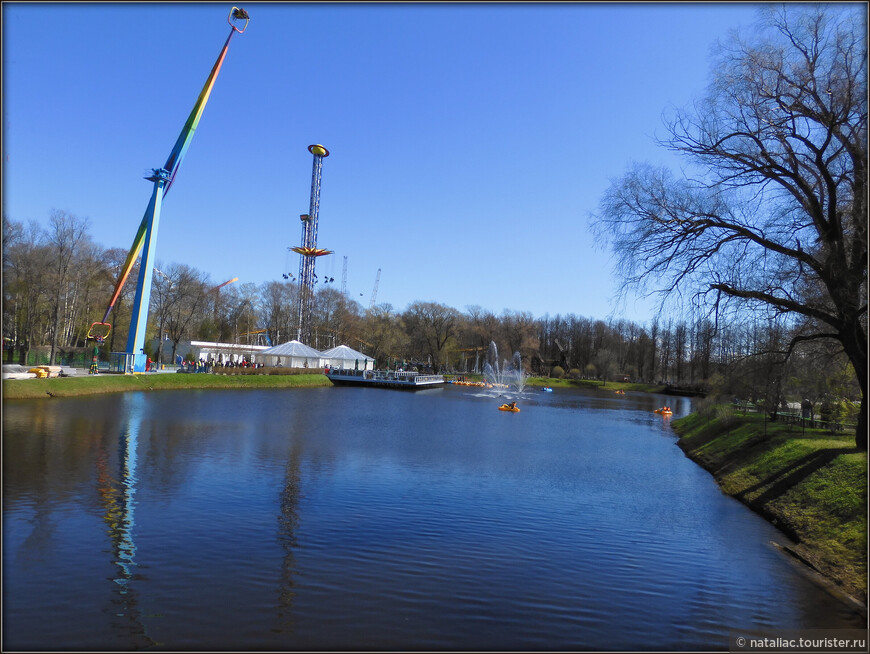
(469, 142)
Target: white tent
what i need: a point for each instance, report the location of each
(346, 358)
(292, 355)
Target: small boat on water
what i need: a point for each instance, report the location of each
(465, 382)
(508, 407)
(383, 378)
(547, 389)
(665, 411)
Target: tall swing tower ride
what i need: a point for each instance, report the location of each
(309, 250)
(134, 358)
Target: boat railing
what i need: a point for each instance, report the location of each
(394, 375)
(346, 373)
(387, 375)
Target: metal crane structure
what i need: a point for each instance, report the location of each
(134, 358)
(375, 290)
(259, 333)
(309, 250)
(344, 277)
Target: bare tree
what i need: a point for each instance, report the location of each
(111, 262)
(384, 333)
(605, 363)
(188, 289)
(430, 325)
(279, 301)
(25, 285)
(163, 301)
(775, 214)
(484, 326)
(246, 313)
(334, 317)
(653, 350)
(86, 285)
(520, 333)
(66, 233)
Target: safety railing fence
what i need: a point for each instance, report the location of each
(797, 419)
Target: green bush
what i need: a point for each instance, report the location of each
(710, 408)
(836, 412)
(558, 372)
(266, 371)
(725, 414)
(706, 408)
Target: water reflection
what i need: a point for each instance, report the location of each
(118, 497)
(288, 520)
(339, 518)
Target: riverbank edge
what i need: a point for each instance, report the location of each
(80, 386)
(703, 442)
(594, 384)
(83, 385)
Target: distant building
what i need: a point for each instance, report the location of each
(292, 354)
(345, 358)
(209, 351)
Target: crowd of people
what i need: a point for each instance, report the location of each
(203, 365)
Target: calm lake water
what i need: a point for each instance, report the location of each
(356, 518)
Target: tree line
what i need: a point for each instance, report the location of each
(57, 281)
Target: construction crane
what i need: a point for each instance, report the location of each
(264, 332)
(344, 277)
(375, 290)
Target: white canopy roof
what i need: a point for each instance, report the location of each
(345, 357)
(292, 349)
(344, 352)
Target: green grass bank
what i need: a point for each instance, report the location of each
(15, 389)
(81, 385)
(811, 484)
(594, 384)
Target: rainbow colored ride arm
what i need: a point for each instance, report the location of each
(178, 151)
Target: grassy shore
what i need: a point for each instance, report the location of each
(810, 483)
(107, 383)
(233, 378)
(610, 386)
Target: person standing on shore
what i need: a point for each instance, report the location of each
(95, 370)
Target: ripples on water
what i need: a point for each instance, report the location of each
(345, 518)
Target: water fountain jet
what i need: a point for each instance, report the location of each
(505, 378)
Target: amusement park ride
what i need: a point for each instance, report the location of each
(134, 358)
(308, 249)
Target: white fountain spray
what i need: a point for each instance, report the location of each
(506, 378)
